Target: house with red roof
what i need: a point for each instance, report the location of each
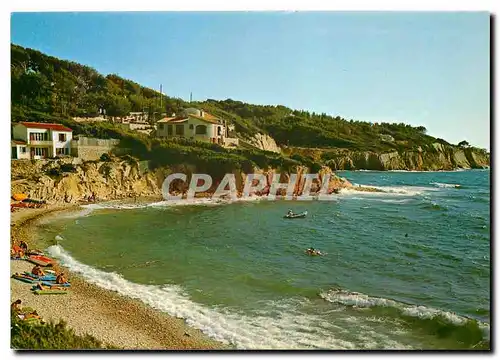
(195, 124)
(40, 140)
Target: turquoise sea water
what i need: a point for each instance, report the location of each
(408, 268)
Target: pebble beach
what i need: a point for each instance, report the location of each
(111, 318)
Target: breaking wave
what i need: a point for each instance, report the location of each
(427, 318)
(444, 185)
(281, 326)
(165, 203)
(387, 190)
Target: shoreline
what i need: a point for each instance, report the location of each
(115, 319)
(110, 309)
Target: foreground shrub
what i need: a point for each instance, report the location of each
(49, 336)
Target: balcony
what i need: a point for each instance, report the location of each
(40, 142)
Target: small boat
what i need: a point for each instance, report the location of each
(40, 260)
(296, 216)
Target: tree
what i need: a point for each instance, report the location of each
(422, 129)
(117, 106)
(463, 144)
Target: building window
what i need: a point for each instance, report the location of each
(62, 137)
(62, 151)
(39, 136)
(179, 130)
(170, 130)
(219, 130)
(191, 126)
(201, 130)
(39, 152)
(22, 149)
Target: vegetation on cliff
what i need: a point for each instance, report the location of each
(48, 89)
(44, 85)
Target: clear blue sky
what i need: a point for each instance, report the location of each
(429, 69)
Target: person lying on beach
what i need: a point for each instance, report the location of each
(23, 246)
(31, 315)
(39, 286)
(51, 287)
(37, 270)
(16, 252)
(60, 279)
(16, 306)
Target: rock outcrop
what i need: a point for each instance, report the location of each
(435, 157)
(58, 181)
(263, 142)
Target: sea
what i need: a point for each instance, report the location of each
(405, 268)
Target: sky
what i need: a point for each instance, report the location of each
(420, 68)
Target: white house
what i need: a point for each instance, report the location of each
(193, 124)
(40, 140)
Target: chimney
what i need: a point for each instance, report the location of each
(202, 113)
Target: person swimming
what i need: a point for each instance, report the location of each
(312, 251)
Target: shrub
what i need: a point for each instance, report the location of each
(49, 336)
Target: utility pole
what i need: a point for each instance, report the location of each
(161, 98)
(191, 97)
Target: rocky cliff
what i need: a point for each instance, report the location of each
(434, 157)
(58, 181)
(263, 142)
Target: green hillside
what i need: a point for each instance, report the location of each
(45, 88)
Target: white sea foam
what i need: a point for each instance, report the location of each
(444, 185)
(412, 171)
(113, 205)
(396, 201)
(168, 203)
(384, 200)
(405, 190)
(387, 190)
(288, 328)
(83, 211)
(408, 171)
(365, 301)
